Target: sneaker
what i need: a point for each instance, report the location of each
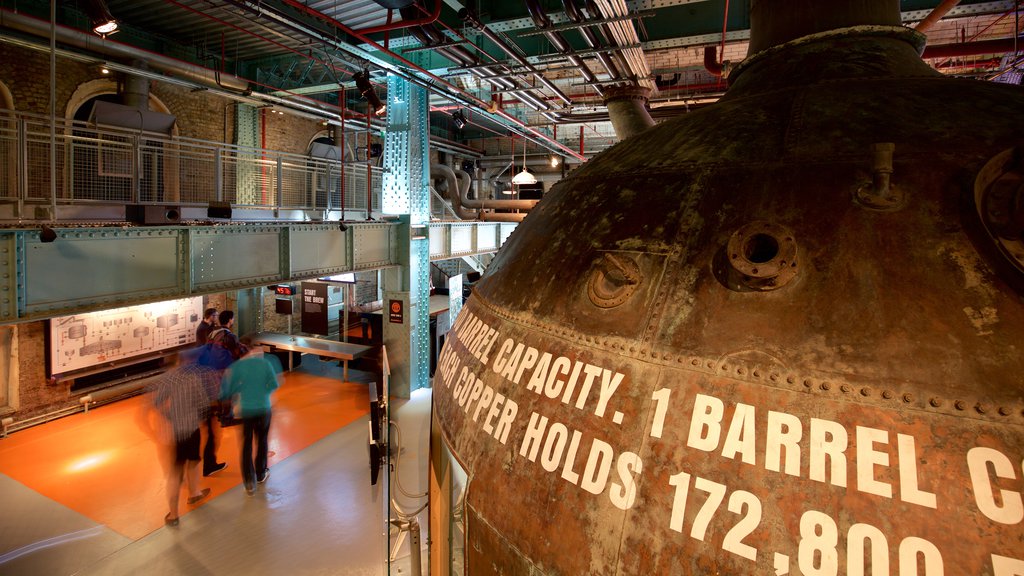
(216, 468)
(250, 490)
(263, 477)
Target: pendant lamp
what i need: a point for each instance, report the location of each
(524, 177)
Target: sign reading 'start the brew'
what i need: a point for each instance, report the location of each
(314, 308)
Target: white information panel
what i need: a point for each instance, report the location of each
(85, 340)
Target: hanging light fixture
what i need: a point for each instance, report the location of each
(524, 178)
(103, 23)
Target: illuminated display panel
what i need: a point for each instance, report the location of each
(85, 340)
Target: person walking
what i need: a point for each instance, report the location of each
(249, 382)
(210, 358)
(181, 397)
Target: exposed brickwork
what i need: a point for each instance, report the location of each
(200, 114)
(36, 393)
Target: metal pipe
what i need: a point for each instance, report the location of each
(517, 125)
(541, 20)
(970, 48)
(711, 63)
(460, 200)
(431, 37)
(403, 23)
(467, 16)
(93, 43)
(572, 11)
(935, 15)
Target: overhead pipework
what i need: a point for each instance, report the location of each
(541, 20)
(470, 18)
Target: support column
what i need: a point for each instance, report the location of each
(405, 194)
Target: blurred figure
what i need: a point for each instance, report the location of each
(208, 324)
(210, 358)
(181, 397)
(249, 383)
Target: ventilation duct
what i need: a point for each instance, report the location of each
(116, 115)
(627, 110)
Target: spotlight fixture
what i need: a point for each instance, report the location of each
(555, 161)
(366, 90)
(459, 120)
(103, 23)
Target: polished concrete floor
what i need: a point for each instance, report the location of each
(85, 494)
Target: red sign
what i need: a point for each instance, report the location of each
(396, 312)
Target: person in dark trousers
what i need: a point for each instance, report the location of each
(207, 325)
(216, 355)
(180, 397)
(249, 383)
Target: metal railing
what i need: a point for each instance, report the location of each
(102, 165)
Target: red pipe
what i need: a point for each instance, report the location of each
(369, 173)
(969, 48)
(428, 19)
(935, 15)
(711, 63)
(263, 166)
(341, 104)
(725, 22)
(480, 103)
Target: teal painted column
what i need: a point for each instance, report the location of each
(405, 194)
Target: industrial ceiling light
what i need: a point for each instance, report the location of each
(524, 178)
(366, 90)
(103, 23)
(459, 119)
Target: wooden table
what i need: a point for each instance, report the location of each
(343, 351)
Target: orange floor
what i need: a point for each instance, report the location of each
(106, 465)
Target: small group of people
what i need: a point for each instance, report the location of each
(221, 375)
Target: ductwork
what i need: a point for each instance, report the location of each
(541, 20)
(107, 47)
(627, 110)
(478, 209)
(136, 89)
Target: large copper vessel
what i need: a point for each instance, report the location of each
(783, 334)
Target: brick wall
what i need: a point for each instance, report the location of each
(202, 115)
(36, 394)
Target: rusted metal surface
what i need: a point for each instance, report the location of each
(866, 416)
